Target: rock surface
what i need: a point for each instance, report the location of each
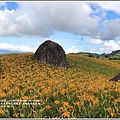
(116, 78)
(51, 53)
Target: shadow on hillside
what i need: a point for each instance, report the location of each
(0, 70)
(116, 78)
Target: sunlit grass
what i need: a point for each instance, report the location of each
(116, 61)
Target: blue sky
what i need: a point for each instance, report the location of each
(76, 26)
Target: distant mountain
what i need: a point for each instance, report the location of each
(114, 55)
(8, 52)
(89, 54)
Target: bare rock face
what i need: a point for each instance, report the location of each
(51, 53)
(116, 78)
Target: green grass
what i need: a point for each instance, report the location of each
(116, 61)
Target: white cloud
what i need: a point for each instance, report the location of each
(6, 46)
(73, 49)
(42, 18)
(113, 6)
(95, 41)
(118, 42)
(110, 46)
(102, 49)
(110, 29)
(90, 50)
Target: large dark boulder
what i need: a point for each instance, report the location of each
(51, 53)
(116, 78)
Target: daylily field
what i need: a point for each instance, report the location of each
(81, 91)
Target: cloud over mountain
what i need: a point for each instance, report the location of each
(11, 47)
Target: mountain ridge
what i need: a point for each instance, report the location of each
(111, 56)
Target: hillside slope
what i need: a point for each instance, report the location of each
(74, 92)
(105, 67)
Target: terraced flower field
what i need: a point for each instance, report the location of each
(81, 91)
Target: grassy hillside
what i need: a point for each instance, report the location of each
(83, 90)
(116, 61)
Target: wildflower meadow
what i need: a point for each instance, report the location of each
(30, 89)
